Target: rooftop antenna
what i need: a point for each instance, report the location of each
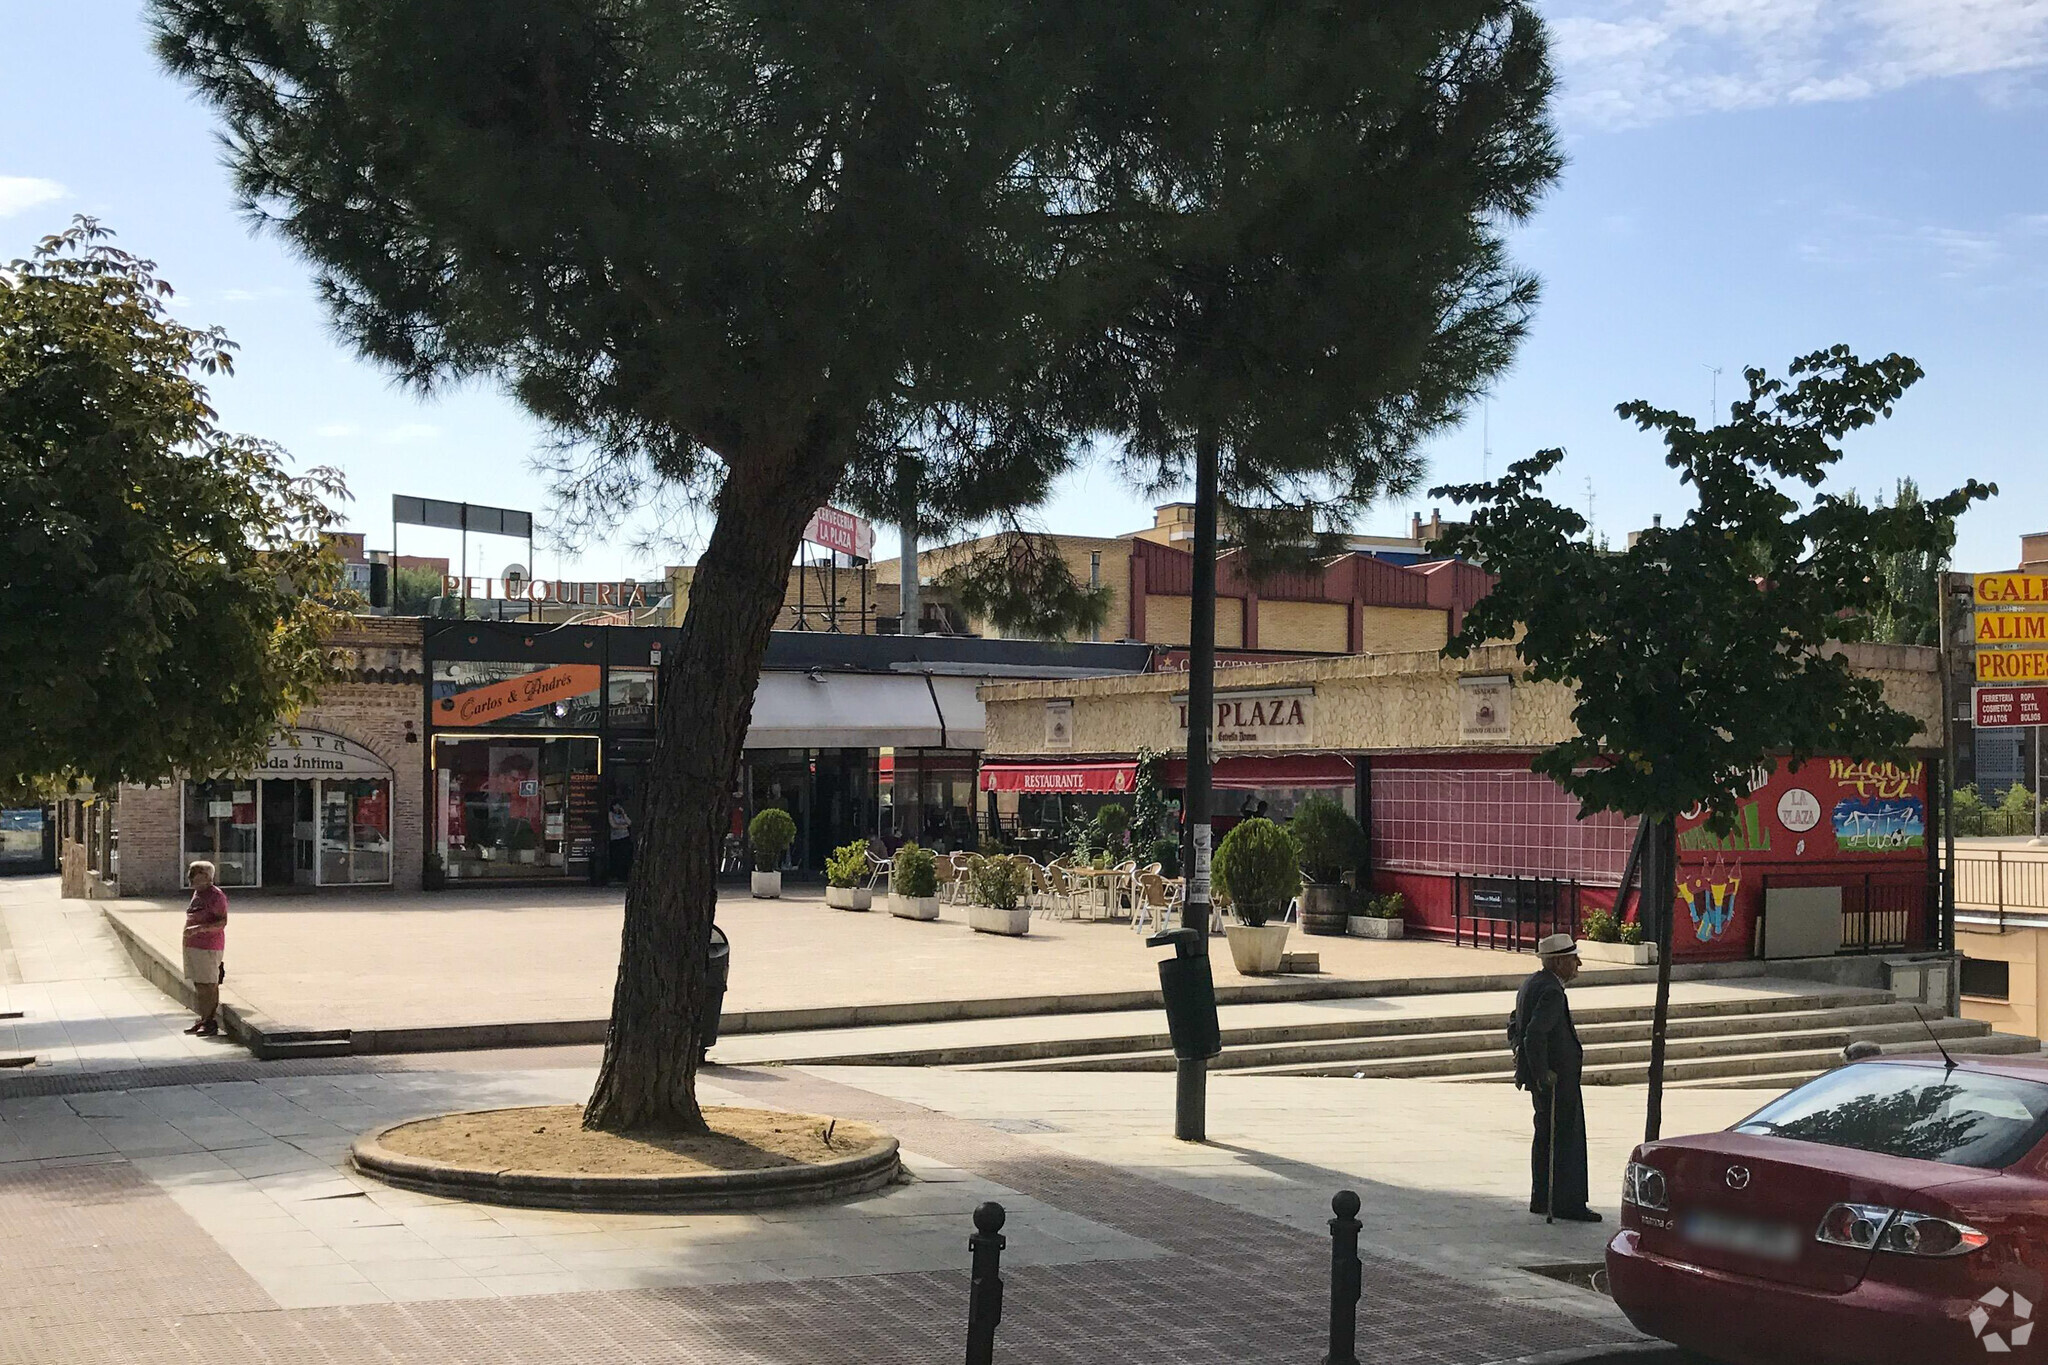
(1485, 440)
(1589, 507)
(1714, 389)
(1937, 1041)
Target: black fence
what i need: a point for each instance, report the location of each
(1512, 912)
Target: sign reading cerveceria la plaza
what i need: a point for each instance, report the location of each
(1283, 715)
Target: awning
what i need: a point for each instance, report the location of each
(865, 711)
(1067, 779)
(1265, 773)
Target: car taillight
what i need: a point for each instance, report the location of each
(1853, 1225)
(1921, 1234)
(1873, 1226)
(1644, 1187)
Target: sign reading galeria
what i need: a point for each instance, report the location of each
(2012, 590)
(1281, 716)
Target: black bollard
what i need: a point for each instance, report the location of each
(1347, 1280)
(985, 1290)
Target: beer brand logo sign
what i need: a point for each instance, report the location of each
(1263, 719)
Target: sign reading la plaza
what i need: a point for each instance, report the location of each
(1283, 716)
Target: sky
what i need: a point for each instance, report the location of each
(1747, 181)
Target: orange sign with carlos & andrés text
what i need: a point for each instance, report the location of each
(497, 700)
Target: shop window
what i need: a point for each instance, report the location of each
(221, 828)
(515, 806)
(470, 693)
(355, 832)
(629, 697)
(1987, 978)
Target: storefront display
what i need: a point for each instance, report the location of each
(317, 812)
(515, 806)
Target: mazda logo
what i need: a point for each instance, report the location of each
(1738, 1177)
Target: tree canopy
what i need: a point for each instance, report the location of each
(164, 588)
(1703, 651)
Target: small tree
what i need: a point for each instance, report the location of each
(1705, 650)
(771, 833)
(1259, 868)
(164, 585)
(1330, 840)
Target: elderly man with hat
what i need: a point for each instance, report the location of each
(1548, 1063)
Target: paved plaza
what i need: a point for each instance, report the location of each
(165, 1199)
(379, 961)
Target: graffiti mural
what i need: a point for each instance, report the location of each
(1708, 895)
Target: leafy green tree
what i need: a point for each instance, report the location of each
(164, 584)
(1704, 651)
(1911, 611)
(1971, 817)
(2015, 812)
(413, 591)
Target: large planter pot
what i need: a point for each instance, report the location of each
(1372, 926)
(767, 885)
(849, 897)
(914, 907)
(986, 919)
(1256, 951)
(1322, 908)
(1634, 954)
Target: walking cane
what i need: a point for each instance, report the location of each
(1550, 1188)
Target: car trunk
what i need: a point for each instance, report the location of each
(1751, 1204)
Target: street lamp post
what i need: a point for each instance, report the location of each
(1191, 1074)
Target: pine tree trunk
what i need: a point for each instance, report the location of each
(648, 1081)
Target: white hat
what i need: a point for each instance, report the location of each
(1557, 945)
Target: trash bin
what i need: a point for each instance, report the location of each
(716, 972)
(1190, 992)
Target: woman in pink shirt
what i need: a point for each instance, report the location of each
(206, 938)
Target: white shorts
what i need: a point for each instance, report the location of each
(202, 966)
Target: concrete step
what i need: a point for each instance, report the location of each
(1474, 1057)
(1087, 1050)
(1448, 1053)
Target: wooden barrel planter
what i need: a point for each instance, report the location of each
(1324, 909)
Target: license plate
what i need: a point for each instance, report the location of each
(1747, 1237)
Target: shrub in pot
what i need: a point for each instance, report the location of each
(914, 884)
(1600, 926)
(771, 833)
(1165, 852)
(1381, 917)
(844, 871)
(1331, 844)
(1632, 933)
(998, 886)
(1259, 869)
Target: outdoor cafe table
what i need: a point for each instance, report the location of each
(1103, 882)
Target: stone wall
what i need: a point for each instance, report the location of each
(1363, 703)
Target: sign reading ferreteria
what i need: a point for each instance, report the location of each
(622, 594)
(1258, 719)
(2004, 707)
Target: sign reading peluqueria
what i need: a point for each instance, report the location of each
(1273, 716)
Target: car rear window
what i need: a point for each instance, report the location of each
(1963, 1118)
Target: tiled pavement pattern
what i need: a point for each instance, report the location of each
(121, 1258)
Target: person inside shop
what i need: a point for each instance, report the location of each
(622, 842)
(206, 940)
(1549, 1062)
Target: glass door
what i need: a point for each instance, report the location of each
(355, 831)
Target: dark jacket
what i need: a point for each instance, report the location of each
(1547, 1039)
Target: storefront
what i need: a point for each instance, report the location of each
(1433, 757)
(317, 812)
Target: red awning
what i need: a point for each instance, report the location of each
(1247, 773)
(1059, 778)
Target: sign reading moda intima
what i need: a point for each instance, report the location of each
(622, 594)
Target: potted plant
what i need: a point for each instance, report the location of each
(771, 833)
(914, 884)
(1607, 939)
(843, 873)
(998, 888)
(1382, 917)
(1165, 852)
(1331, 843)
(520, 839)
(1259, 868)
(1111, 831)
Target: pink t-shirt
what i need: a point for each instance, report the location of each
(206, 920)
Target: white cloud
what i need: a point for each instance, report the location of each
(1856, 239)
(253, 295)
(1628, 62)
(20, 193)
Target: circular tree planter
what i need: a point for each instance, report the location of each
(540, 1157)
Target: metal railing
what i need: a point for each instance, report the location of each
(1998, 883)
(1512, 912)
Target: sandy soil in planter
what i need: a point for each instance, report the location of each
(551, 1139)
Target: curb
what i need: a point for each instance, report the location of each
(1626, 1353)
(866, 1170)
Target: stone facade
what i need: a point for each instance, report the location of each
(376, 703)
(1368, 703)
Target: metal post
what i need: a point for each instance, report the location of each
(985, 1288)
(1945, 658)
(1191, 1075)
(1347, 1280)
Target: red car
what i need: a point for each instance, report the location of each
(1890, 1211)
